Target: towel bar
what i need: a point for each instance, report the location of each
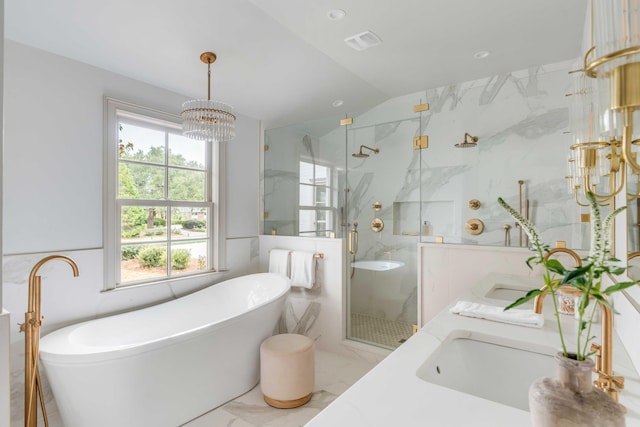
(316, 255)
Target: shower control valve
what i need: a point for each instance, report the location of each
(377, 225)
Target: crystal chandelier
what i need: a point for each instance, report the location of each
(204, 119)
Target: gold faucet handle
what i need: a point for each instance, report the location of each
(22, 326)
(617, 381)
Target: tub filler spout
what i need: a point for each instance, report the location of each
(31, 329)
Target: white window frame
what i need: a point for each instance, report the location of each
(113, 109)
(331, 209)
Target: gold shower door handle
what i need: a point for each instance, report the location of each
(353, 241)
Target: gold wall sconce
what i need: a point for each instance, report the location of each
(606, 103)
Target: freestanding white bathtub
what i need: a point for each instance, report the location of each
(167, 364)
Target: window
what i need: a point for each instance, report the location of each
(316, 210)
(159, 196)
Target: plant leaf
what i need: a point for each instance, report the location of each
(528, 297)
(555, 266)
(618, 287)
(576, 272)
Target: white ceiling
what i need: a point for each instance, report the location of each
(285, 62)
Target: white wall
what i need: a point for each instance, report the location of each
(54, 138)
(5, 411)
(5, 406)
(53, 192)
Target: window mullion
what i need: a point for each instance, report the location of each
(130, 215)
(166, 197)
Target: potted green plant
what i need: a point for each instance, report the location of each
(571, 394)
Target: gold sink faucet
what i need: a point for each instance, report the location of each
(606, 381)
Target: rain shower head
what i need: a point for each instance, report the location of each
(362, 155)
(469, 141)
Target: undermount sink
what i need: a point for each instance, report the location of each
(507, 293)
(506, 288)
(489, 367)
(382, 265)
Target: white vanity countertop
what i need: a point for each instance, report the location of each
(392, 395)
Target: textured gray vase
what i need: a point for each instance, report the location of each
(570, 400)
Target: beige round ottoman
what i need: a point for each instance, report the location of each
(287, 370)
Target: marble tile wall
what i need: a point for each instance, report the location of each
(520, 119)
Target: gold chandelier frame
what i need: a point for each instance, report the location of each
(625, 99)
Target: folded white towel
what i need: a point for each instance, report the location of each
(497, 314)
(303, 269)
(279, 261)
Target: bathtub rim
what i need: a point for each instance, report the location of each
(96, 354)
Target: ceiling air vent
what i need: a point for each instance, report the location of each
(363, 41)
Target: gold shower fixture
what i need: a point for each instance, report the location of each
(360, 154)
(469, 141)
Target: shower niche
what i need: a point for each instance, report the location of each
(435, 218)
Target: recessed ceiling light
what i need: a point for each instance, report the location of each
(337, 103)
(336, 14)
(481, 54)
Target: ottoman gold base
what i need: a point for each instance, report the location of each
(287, 404)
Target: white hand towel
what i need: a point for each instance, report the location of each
(497, 314)
(303, 271)
(279, 261)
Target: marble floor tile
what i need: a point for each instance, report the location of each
(334, 374)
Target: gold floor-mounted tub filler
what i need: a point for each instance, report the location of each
(31, 329)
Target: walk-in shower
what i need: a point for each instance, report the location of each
(381, 260)
(356, 182)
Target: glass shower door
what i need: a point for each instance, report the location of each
(382, 219)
